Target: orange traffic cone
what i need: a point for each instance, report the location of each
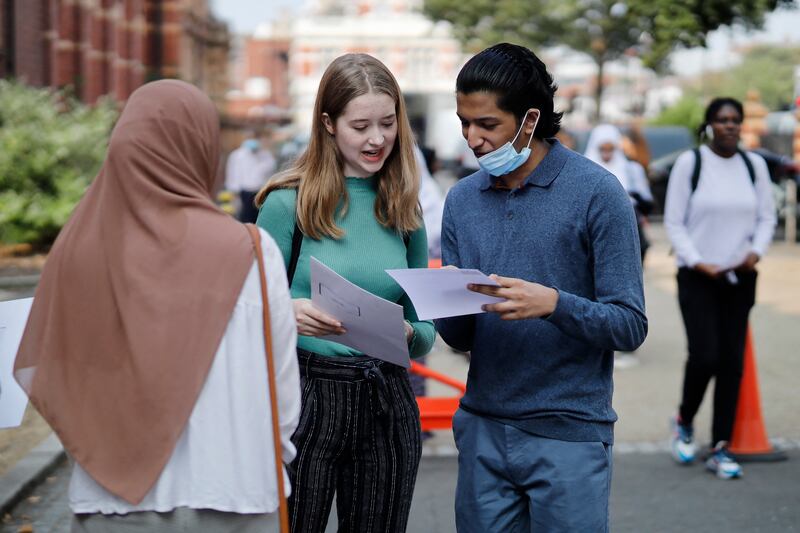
(749, 441)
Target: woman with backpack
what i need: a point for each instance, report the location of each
(720, 217)
(350, 201)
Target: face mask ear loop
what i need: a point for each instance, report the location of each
(520, 128)
(530, 140)
(534, 130)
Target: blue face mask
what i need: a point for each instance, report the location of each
(252, 144)
(506, 158)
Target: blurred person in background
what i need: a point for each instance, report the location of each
(605, 148)
(566, 139)
(352, 201)
(634, 144)
(720, 217)
(247, 170)
(431, 199)
(145, 349)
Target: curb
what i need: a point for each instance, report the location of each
(29, 471)
(9, 282)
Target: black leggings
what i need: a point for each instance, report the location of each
(715, 314)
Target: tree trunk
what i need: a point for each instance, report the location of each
(598, 91)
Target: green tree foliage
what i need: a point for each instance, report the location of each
(688, 112)
(50, 149)
(769, 69)
(603, 29)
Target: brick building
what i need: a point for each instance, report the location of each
(261, 75)
(111, 47)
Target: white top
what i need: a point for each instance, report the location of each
(431, 200)
(224, 458)
(726, 217)
(247, 170)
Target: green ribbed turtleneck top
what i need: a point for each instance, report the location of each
(360, 256)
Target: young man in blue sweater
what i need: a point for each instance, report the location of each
(535, 427)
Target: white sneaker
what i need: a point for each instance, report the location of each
(682, 445)
(722, 463)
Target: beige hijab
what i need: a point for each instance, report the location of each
(136, 293)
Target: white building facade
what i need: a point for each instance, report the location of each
(423, 56)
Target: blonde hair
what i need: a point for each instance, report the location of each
(318, 174)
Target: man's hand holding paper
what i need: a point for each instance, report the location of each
(442, 292)
(523, 299)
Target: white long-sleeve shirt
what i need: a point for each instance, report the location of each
(726, 217)
(247, 170)
(431, 200)
(224, 458)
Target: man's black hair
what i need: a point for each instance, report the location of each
(519, 79)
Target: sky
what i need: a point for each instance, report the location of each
(245, 15)
(782, 26)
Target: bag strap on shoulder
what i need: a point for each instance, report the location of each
(698, 162)
(749, 164)
(297, 243)
(273, 395)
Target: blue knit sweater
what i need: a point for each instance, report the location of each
(570, 226)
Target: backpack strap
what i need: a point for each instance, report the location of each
(748, 164)
(698, 162)
(297, 243)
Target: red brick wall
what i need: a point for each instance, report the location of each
(107, 46)
(31, 44)
(267, 58)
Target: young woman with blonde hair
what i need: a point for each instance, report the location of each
(350, 201)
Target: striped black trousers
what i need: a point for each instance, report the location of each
(358, 438)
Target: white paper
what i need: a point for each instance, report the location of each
(442, 292)
(13, 317)
(374, 325)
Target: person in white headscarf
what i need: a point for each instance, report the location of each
(605, 148)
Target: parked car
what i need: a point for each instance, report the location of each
(661, 140)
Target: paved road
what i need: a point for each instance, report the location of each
(649, 494)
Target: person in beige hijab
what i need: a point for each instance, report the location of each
(144, 350)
